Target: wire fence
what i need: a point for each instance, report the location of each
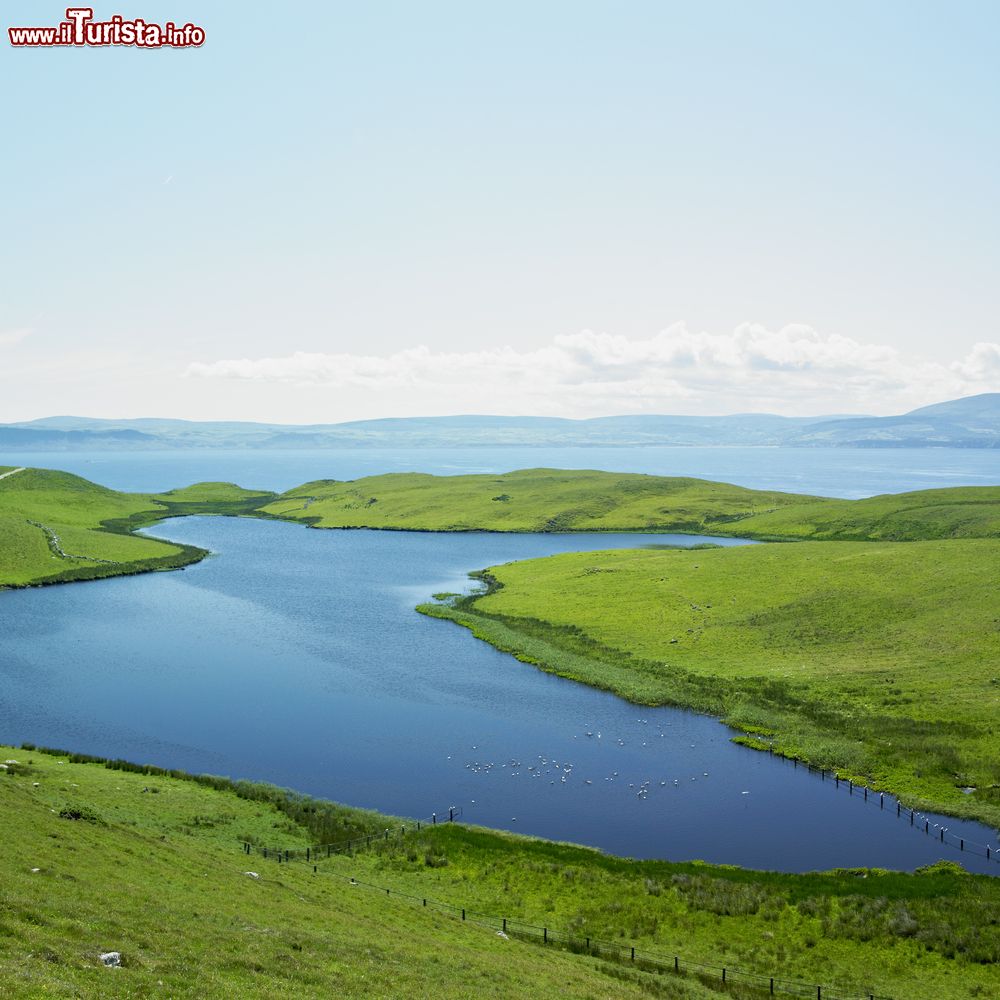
(314, 852)
(711, 973)
(640, 958)
(926, 823)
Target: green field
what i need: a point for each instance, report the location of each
(956, 512)
(528, 500)
(556, 500)
(150, 866)
(57, 527)
(881, 660)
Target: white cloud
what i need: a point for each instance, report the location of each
(982, 364)
(795, 369)
(8, 338)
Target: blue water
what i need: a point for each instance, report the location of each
(295, 656)
(839, 472)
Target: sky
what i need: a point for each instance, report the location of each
(335, 211)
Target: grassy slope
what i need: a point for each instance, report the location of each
(55, 526)
(956, 512)
(159, 877)
(555, 500)
(528, 500)
(880, 659)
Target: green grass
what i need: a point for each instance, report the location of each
(956, 512)
(152, 868)
(528, 500)
(881, 660)
(556, 500)
(57, 527)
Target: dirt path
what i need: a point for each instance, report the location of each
(13, 472)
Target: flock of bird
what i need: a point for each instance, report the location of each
(560, 772)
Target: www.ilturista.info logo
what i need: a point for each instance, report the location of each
(80, 28)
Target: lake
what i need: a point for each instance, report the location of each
(295, 656)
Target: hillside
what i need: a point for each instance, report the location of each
(876, 659)
(150, 866)
(527, 500)
(954, 512)
(972, 422)
(57, 527)
(586, 500)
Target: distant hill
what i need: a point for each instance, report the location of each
(22, 438)
(972, 422)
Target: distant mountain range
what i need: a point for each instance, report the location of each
(972, 422)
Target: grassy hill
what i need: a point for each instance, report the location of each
(56, 527)
(879, 659)
(956, 512)
(527, 500)
(150, 866)
(583, 500)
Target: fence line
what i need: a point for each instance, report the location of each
(891, 804)
(316, 851)
(886, 802)
(599, 948)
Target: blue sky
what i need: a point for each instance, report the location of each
(550, 207)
